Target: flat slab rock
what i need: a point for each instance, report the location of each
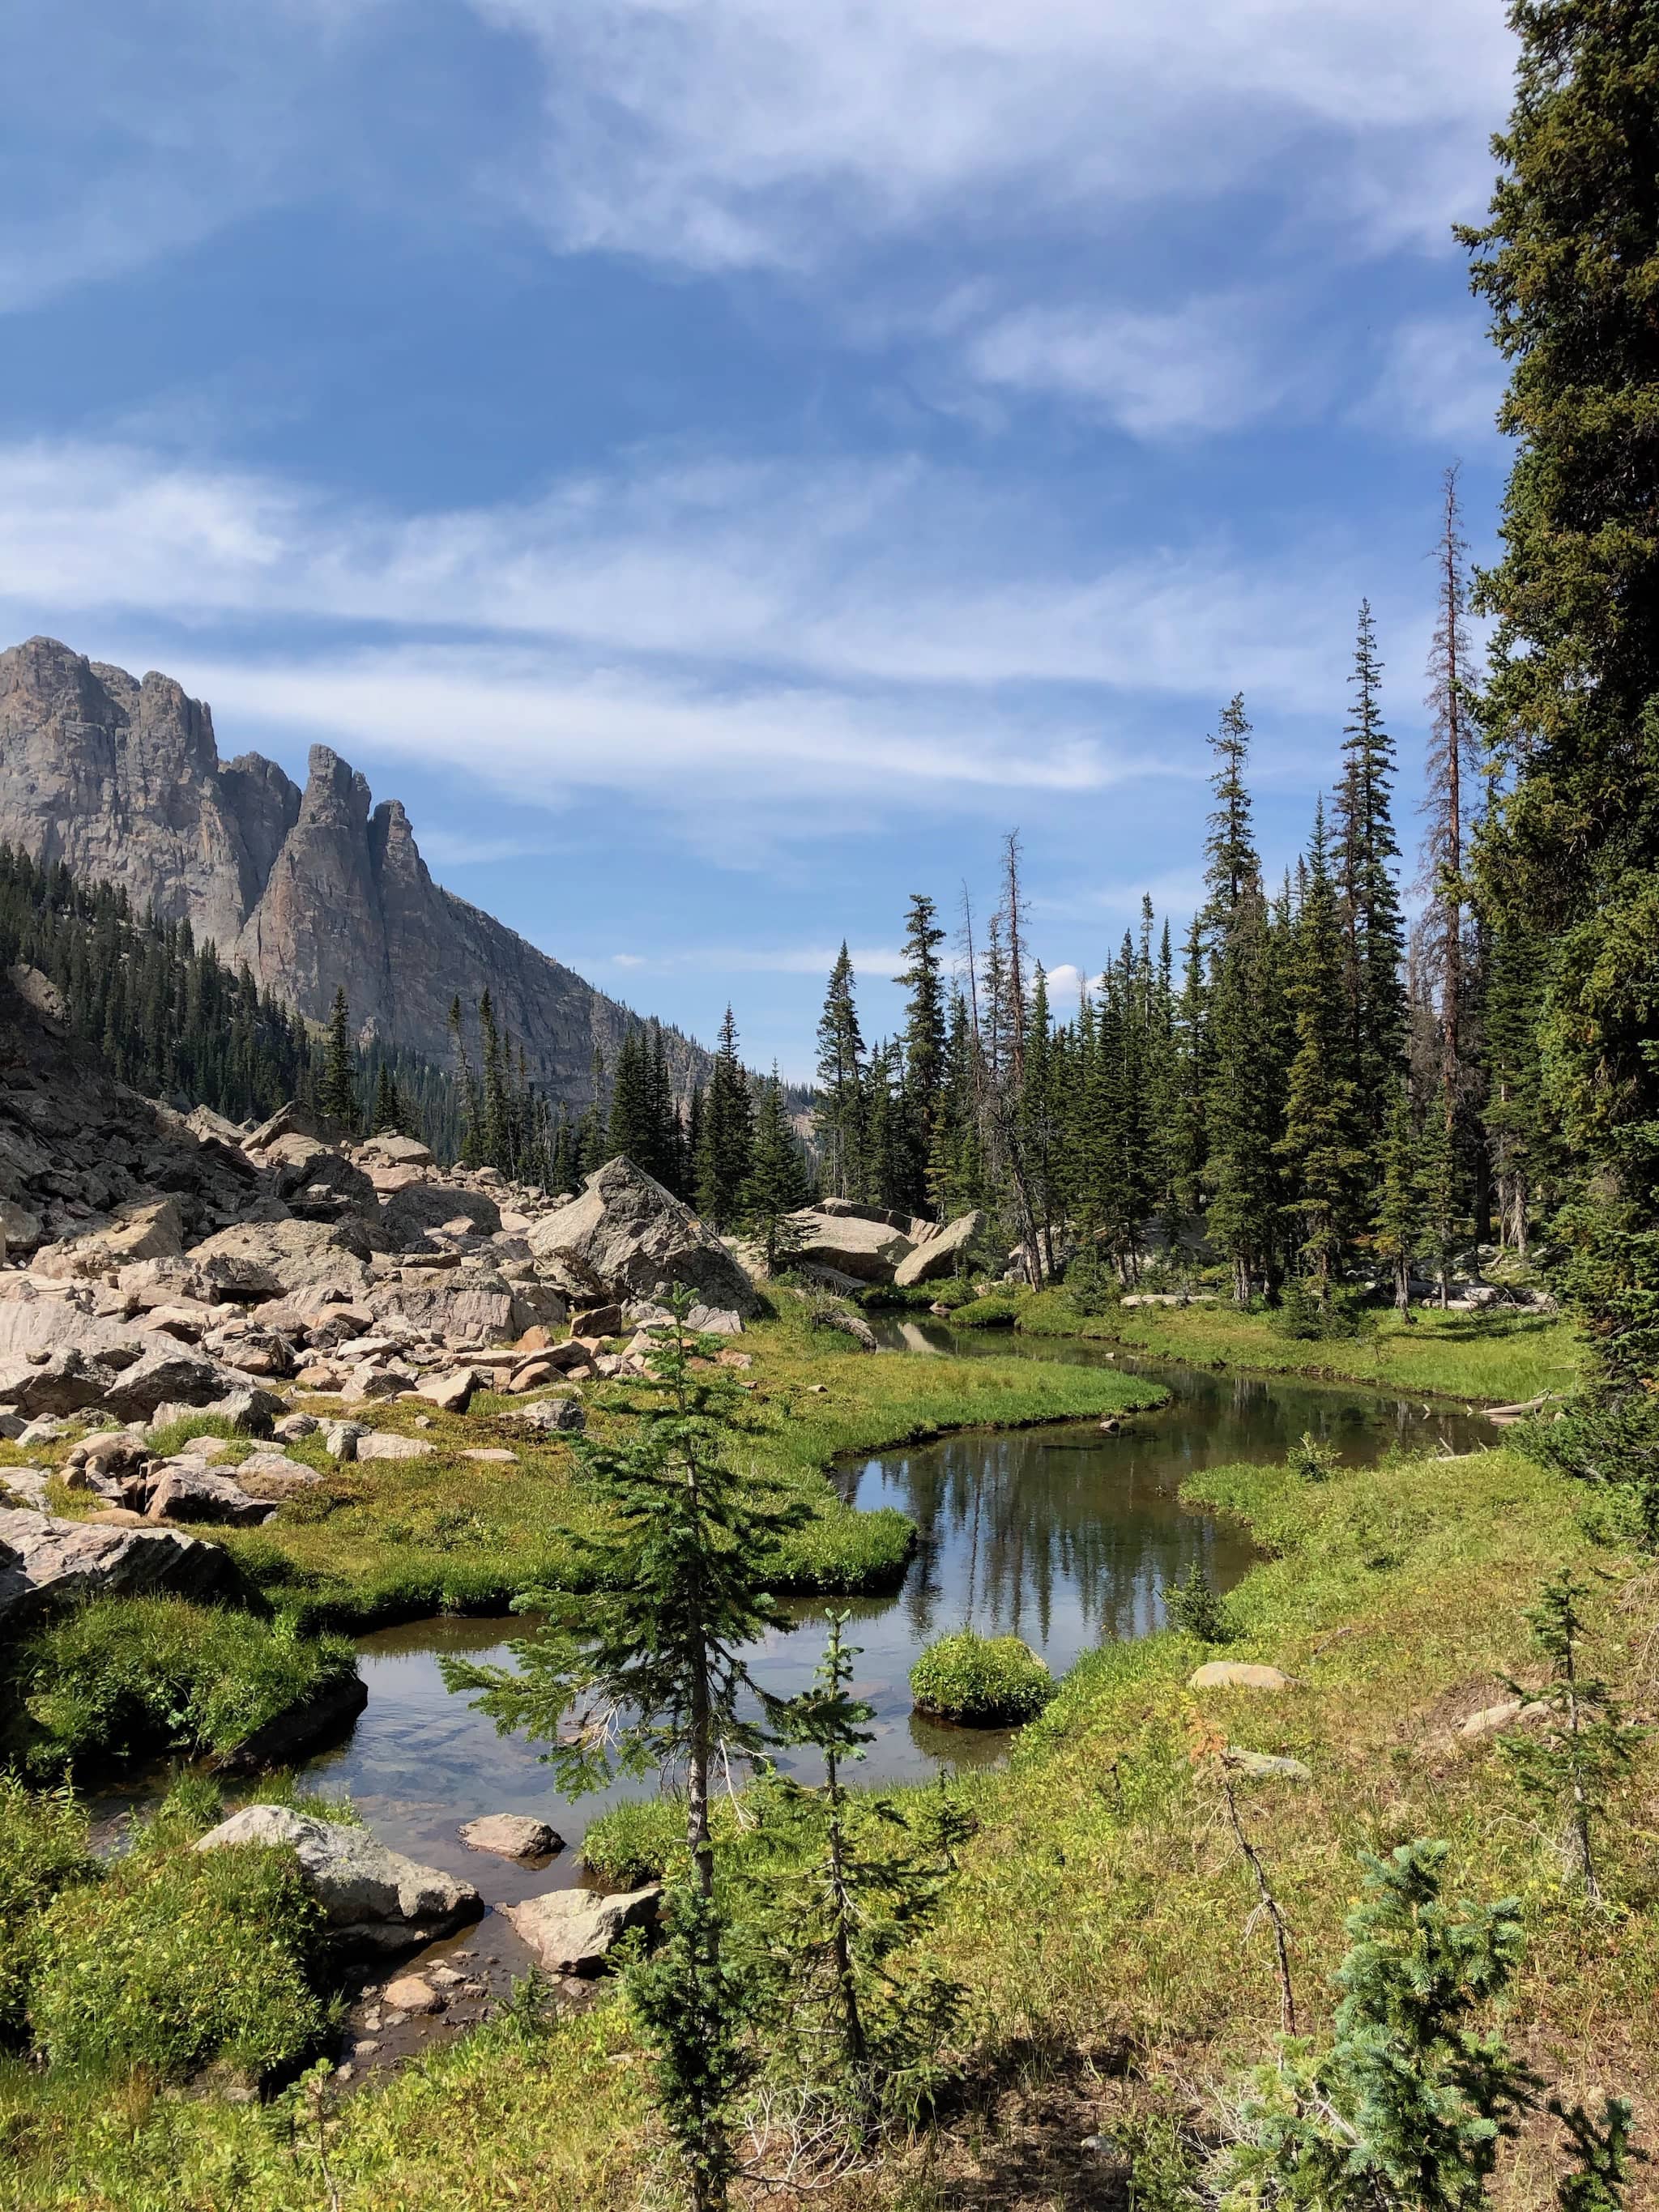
(572, 1931)
(46, 1562)
(512, 1836)
(1237, 1674)
(373, 1897)
(382, 1444)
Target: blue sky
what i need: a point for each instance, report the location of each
(723, 463)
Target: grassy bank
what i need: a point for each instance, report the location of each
(391, 1539)
(123, 1678)
(1498, 1358)
(1103, 1926)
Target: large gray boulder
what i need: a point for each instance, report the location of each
(310, 1261)
(409, 1212)
(941, 1255)
(473, 1304)
(146, 1228)
(572, 1931)
(373, 1898)
(185, 1490)
(46, 1563)
(626, 1235)
(868, 1251)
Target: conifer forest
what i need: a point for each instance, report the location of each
(1049, 1603)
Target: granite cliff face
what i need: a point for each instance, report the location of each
(313, 889)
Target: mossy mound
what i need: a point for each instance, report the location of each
(981, 1681)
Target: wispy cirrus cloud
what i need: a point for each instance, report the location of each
(724, 133)
(854, 575)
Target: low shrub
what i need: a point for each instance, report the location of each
(994, 1681)
(638, 1840)
(125, 1676)
(1091, 1286)
(43, 1850)
(996, 1309)
(1313, 1460)
(1195, 1608)
(178, 1959)
(953, 1290)
(1299, 1315)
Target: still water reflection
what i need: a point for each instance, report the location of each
(1064, 1536)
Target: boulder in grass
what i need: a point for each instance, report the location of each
(185, 1490)
(453, 1392)
(552, 1417)
(574, 1931)
(373, 1898)
(870, 1251)
(382, 1443)
(1237, 1674)
(1265, 1766)
(47, 1563)
(944, 1252)
(626, 1235)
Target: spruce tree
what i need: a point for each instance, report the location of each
(652, 1664)
(631, 1132)
(924, 1044)
(337, 1096)
(1366, 853)
(1322, 1162)
(1397, 1228)
(728, 1135)
(776, 1185)
(841, 1082)
(1567, 265)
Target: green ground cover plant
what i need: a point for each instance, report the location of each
(122, 1678)
(981, 1681)
(1498, 1359)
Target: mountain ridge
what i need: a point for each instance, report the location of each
(315, 887)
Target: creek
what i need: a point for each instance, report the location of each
(1061, 1534)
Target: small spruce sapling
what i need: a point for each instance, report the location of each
(1567, 1768)
(855, 1880)
(648, 1674)
(1408, 2108)
(1194, 1607)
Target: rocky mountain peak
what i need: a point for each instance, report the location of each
(315, 889)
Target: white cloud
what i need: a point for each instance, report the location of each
(1440, 381)
(1201, 367)
(878, 576)
(730, 132)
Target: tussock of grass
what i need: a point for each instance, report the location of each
(125, 1677)
(981, 1681)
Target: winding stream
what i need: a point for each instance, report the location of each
(1061, 1536)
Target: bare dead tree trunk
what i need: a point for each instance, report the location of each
(1450, 751)
(1013, 907)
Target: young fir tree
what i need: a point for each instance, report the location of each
(728, 1135)
(777, 1187)
(471, 1144)
(1567, 1769)
(1408, 2108)
(338, 1093)
(1515, 1116)
(632, 1132)
(648, 1672)
(840, 1112)
(1397, 1226)
(855, 1881)
(1366, 853)
(1322, 1162)
(1566, 263)
(923, 1085)
(496, 1105)
(388, 1116)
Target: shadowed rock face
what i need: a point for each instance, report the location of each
(315, 889)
